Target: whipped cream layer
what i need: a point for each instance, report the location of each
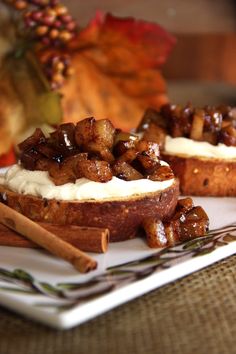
(39, 184)
(188, 147)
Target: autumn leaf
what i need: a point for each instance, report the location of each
(8, 159)
(117, 63)
(117, 74)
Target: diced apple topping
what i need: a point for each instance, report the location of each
(211, 124)
(93, 149)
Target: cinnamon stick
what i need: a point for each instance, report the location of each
(88, 239)
(46, 239)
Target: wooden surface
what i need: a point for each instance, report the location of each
(205, 30)
(209, 57)
(175, 15)
(201, 93)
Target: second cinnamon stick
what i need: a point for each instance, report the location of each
(46, 239)
(88, 239)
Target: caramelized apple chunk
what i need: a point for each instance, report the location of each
(47, 151)
(84, 131)
(150, 116)
(43, 164)
(61, 175)
(29, 159)
(161, 173)
(95, 170)
(210, 137)
(128, 156)
(213, 118)
(123, 136)
(196, 224)
(227, 136)
(172, 231)
(193, 220)
(148, 148)
(106, 155)
(184, 204)
(156, 134)
(146, 164)
(104, 132)
(67, 171)
(71, 162)
(155, 233)
(94, 135)
(35, 139)
(197, 126)
(64, 136)
(126, 172)
(122, 146)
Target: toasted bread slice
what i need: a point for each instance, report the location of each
(122, 217)
(204, 176)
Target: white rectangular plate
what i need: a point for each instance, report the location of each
(49, 290)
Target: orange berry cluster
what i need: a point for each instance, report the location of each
(51, 25)
(48, 20)
(57, 68)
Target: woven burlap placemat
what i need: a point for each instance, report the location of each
(196, 314)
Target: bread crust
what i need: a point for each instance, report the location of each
(122, 217)
(204, 176)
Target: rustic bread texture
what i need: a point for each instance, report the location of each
(204, 177)
(122, 217)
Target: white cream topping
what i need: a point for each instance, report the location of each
(38, 183)
(189, 147)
